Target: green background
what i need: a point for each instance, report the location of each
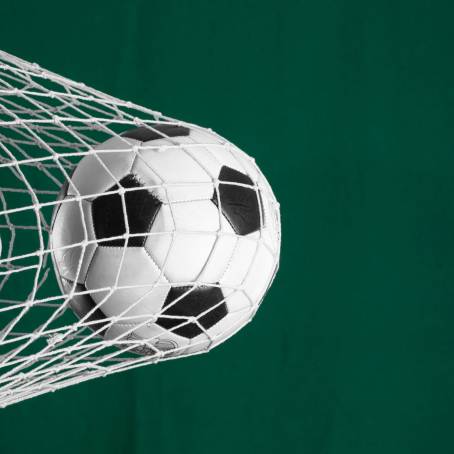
(348, 107)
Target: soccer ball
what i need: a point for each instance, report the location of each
(166, 239)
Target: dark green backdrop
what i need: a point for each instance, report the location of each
(348, 107)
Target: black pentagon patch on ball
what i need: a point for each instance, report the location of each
(109, 218)
(197, 301)
(82, 303)
(144, 134)
(240, 205)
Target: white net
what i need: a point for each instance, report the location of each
(49, 338)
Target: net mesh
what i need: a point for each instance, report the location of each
(47, 125)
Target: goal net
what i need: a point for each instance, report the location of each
(47, 125)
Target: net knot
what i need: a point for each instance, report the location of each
(55, 338)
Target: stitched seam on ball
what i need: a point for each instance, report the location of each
(161, 271)
(188, 153)
(146, 164)
(229, 263)
(125, 324)
(201, 199)
(211, 152)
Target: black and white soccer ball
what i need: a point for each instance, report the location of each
(166, 239)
